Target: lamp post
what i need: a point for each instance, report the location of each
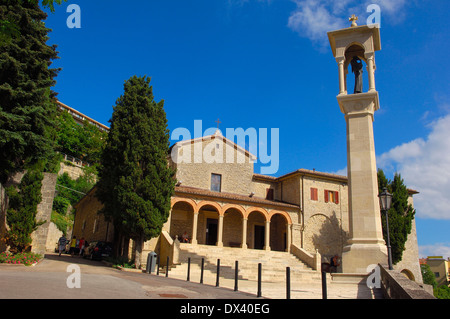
(385, 205)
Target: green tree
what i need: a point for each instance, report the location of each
(27, 114)
(135, 183)
(9, 26)
(81, 141)
(401, 214)
(442, 292)
(21, 214)
(27, 107)
(69, 192)
(427, 275)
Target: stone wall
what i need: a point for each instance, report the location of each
(73, 171)
(396, 286)
(88, 223)
(44, 210)
(195, 170)
(52, 237)
(44, 213)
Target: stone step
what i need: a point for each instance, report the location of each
(273, 263)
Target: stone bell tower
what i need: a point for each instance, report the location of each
(350, 47)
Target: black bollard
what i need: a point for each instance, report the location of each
(149, 264)
(201, 270)
(324, 285)
(189, 270)
(236, 272)
(158, 260)
(167, 267)
(288, 282)
(218, 273)
(259, 294)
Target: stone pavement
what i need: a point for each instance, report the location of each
(299, 290)
(98, 281)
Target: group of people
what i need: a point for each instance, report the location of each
(77, 246)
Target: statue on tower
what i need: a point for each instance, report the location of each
(357, 69)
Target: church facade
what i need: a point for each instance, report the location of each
(225, 204)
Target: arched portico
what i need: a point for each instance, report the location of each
(280, 232)
(208, 222)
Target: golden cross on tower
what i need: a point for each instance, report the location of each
(353, 19)
(218, 122)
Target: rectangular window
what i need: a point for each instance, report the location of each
(314, 194)
(331, 196)
(216, 182)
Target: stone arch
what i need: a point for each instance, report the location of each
(279, 223)
(233, 221)
(355, 49)
(181, 217)
(408, 274)
(280, 212)
(237, 207)
(257, 209)
(257, 221)
(210, 203)
(323, 233)
(175, 200)
(208, 222)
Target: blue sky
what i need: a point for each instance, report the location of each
(268, 64)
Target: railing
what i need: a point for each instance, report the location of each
(169, 248)
(74, 160)
(312, 260)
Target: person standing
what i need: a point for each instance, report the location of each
(62, 242)
(81, 245)
(73, 245)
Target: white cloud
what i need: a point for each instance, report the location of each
(425, 166)
(390, 6)
(314, 18)
(439, 249)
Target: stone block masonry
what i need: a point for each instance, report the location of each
(44, 212)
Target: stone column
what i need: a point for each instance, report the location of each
(220, 232)
(370, 57)
(288, 237)
(194, 228)
(342, 88)
(244, 233)
(267, 236)
(366, 245)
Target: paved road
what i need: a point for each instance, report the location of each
(48, 280)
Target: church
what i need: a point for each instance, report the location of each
(226, 205)
(222, 208)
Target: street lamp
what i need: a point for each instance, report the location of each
(385, 204)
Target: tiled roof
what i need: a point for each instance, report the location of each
(313, 173)
(231, 196)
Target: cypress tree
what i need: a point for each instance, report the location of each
(135, 183)
(401, 214)
(27, 108)
(21, 214)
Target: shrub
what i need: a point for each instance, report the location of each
(27, 259)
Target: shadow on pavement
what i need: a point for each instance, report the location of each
(75, 260)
